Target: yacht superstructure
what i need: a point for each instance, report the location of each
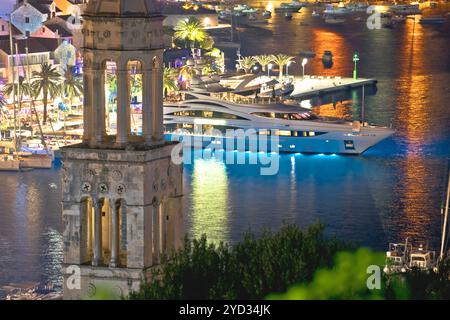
(296, 128)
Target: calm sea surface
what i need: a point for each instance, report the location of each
(391, 192)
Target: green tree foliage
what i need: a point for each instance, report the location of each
(419, 285)
(72, 84)
(46, 82)
(281, 60)
(346, 280)
(22, 88)
(191, 33)
(264, 60)
(247, 63)
(251, 269)
(170, 81)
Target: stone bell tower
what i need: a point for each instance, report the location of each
(121, 192)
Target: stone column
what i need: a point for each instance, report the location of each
(157, 104)
(147, 106)
(155, 232)
(98, 248)
(87, 104)
(123, 107)
(115, 235)
(99, 105)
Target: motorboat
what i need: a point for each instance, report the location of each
(405, 9)
(9, 163)
(404, 257)
(386, 19)
(397, 257)
(266, 14)
(357, 7)
(293, 6)
(432, 20)
(327, 56)
(276, 89)
(307, 54)
(202, 121)
(334, 20)
(340, 10)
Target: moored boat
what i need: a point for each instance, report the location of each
(432, 20)
(296, 129)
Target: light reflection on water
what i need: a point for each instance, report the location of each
(391, 192)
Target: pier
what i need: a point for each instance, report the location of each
(313, 86)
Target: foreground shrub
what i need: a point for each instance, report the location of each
(251, 269)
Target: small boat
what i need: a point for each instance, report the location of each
(9, 163)
(334, 19)
(307, 54)
(315, 14)
(327, 56)
(250, 11)
(405, 9)
(293, 5)
(432, 20)
(267, 14)
(358, 7)
(339, 10)
(399, 19)
(276, 90)
(403, 257)
(288, 16)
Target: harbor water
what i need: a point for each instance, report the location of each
(391, 192)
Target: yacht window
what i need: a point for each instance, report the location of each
(349, 144)
(206, 114)
(285, 133)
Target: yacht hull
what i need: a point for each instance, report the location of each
(330, 143)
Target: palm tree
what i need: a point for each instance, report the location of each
(72, 84)
(264, 60)
(169, 81)
(247, 63)
(281, 60)
(46, 83)
(190, 32)
(22, 88)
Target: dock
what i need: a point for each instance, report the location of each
(313, 86)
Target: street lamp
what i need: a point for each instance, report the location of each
(304, 62)
(287, 67)
(269, 67)
(355, 60)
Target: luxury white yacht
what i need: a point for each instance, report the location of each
(296, 128)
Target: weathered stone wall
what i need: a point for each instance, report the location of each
(149, 185)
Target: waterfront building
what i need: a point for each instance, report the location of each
(40, 50)
(4, 27)
(121, 205)
(27, 18)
